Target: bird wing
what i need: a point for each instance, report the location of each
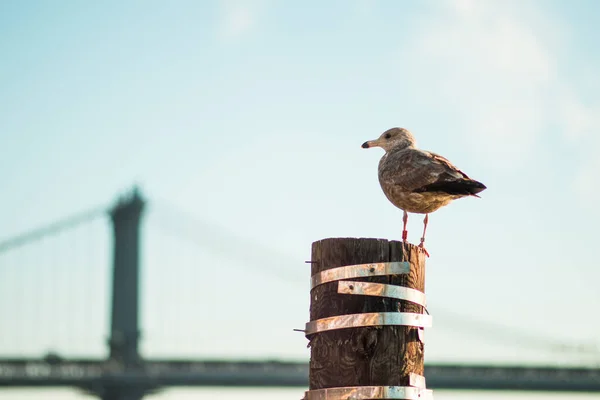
(413, 169)
(448, 164)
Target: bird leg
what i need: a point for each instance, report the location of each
(422, 245)
(404, 231)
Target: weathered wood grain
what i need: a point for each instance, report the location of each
(377, 356)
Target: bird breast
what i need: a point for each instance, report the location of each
(418, 203)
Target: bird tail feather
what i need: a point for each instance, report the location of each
(466, 187)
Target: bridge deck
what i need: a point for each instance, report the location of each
(87, 374)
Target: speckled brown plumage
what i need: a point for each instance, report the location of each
(418, 181)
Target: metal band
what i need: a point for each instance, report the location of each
(368, 319)
(359, 271)
(382, 290)
(416, 380)
(370, 392)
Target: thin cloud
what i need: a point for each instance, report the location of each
(494, 71)
(490, 66)
(579, 120)
(238, 18)
(493, 67)
(579, 123)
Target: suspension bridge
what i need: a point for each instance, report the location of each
(55, 312)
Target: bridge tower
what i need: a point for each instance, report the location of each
(125, 334)
(124, 357)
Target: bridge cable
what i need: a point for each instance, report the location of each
(497, 332)
(53, 228)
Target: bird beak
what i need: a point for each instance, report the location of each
(370, 143)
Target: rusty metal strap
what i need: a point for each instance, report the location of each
(382, 290)
(360, 271)
(370, 392)
(368, 319)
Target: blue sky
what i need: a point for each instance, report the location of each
(249, 115)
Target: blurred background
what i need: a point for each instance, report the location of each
(241, 124)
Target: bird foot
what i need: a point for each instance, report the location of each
(404, 235)
(422, 248)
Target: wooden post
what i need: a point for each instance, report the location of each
(388, 355)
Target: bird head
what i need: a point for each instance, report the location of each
(394, 138)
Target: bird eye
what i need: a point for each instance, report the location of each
(387, 136)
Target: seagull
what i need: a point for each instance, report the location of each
(418, 181)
